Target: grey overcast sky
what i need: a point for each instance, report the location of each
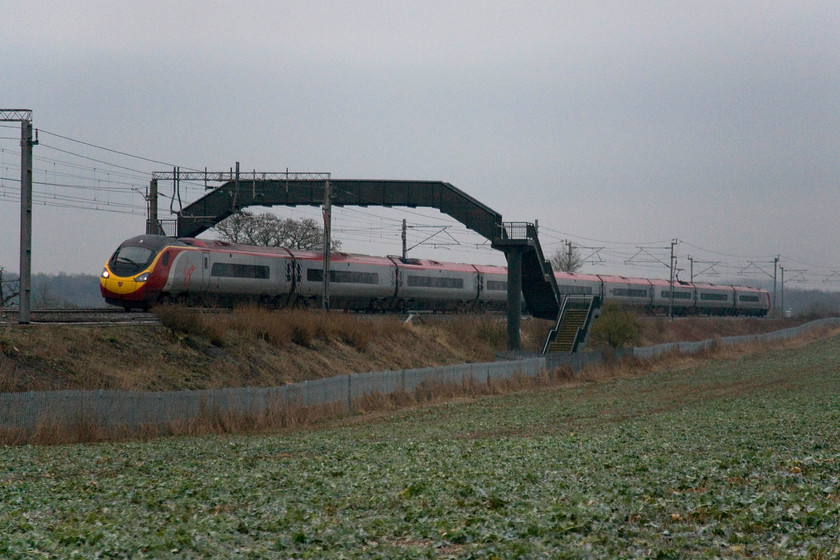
(617, 125)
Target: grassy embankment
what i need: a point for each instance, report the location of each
(255, 347)
(249, 347)
(260, 348)
(737, 456)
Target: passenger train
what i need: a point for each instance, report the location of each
(151, 269)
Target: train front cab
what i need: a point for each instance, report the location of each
(130, 278)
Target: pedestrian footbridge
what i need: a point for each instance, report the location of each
(529, 273)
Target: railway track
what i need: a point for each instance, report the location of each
(93, 316)
(111, 316)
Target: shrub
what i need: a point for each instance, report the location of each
(303, 328)
(616, 326)
(492, 332)
(183, 320)
(356, 334)
(179, 319)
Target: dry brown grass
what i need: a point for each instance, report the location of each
(251, 323)
(280, 416)
(257, 347)
(260, 348)
(657, 330)
(195, 349)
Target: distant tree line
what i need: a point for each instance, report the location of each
(54, 291)
(810, 303)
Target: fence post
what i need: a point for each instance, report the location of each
(350, 394)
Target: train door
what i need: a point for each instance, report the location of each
(205, 271)
(293, 282)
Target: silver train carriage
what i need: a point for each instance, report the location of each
(148, 269)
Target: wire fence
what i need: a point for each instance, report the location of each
(134, 409)
(650, 352)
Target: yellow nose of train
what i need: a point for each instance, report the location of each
(113, 285)
(127, 292)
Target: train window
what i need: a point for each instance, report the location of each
(629, 292)
(496, 286)
(343, 276)
(575, 290)
(436, 282)
(749, 298)
(230, 270)
(129, 260)
(677, 295)
(165, 259)
(714, 297)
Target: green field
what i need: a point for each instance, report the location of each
(719, 459)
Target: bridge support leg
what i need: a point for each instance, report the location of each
(514, 298)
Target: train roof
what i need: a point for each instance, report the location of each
(560, 275)
(426, 264)
(490, 269)
(623, 280)
(708, 286)
(153, 242)
(749, 289)
(667, 283)
(219, 245)
(337, 258)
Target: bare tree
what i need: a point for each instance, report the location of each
(233, 228)
(569, 260)
(9, 289)
(270, 231)
(43, 294)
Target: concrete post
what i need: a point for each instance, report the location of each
(514, 299)
(25, 291)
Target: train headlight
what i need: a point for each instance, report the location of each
(105, 273)
(142, 278)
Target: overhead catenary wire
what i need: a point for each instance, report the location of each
(78, 181)
(113, 151)
(107, 184)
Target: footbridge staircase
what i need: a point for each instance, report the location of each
(522, 248)
(573, 315)
(571, 330)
